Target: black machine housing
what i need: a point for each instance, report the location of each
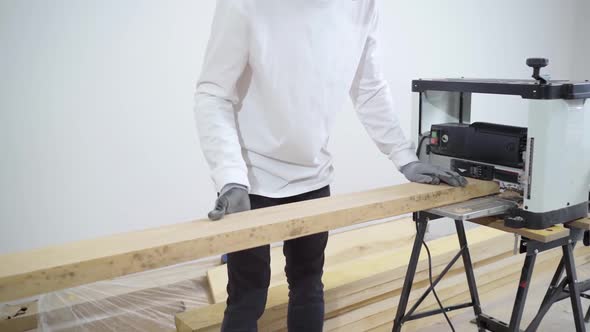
(480, 141)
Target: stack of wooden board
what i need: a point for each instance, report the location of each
(342, 247)
(368, 284)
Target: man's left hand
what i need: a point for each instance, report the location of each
(421, 172)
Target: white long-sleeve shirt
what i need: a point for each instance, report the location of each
(275, 75)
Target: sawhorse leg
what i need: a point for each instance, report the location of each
(401, 316)
(555, 289)
(409, 280)
(574, 288)
(469, 271)
(521, 294)
(559, 290)
(526, 274)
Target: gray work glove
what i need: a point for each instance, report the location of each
(233, 198)
(420, 172)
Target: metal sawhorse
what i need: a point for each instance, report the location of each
(532, 243)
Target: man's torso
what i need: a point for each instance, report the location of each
(303, 56)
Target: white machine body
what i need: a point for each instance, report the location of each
(557, 161)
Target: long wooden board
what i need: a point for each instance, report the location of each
(357, 275)
(341, 247)
(63, 266)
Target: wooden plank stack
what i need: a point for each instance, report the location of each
(362, 293)
(342, 247)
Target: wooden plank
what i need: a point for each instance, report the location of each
(357, 275)
(63, 266)
(338, 298)
(542, 235)
(19, 322)
(180, 279)
(583, 224)
(348, 302)
(342, 306)
(352, 301)
(358, 311)
(339, 281)
(341, 247)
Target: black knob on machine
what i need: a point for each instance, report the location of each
(537, 64)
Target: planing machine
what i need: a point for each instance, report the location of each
(546, 165)
(544, 174)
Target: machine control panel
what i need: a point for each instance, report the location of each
(480, 141)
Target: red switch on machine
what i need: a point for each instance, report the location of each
(434, 138)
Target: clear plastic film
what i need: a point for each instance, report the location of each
(144, 301)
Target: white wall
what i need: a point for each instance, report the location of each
(96, 127)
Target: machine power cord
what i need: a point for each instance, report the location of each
(421, 142)
(422, 138)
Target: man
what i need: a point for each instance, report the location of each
(275, 75)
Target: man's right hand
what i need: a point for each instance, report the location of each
(232, 199)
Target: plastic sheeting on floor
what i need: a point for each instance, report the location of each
(144, 301)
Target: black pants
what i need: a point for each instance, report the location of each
(249, 277)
